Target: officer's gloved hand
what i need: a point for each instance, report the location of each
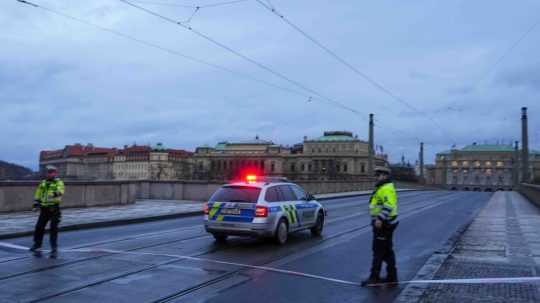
(36, 205)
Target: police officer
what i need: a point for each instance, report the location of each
(383, 210)
(47, 198)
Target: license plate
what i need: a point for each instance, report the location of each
(230, 211)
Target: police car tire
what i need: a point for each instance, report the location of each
(220, 238)
(282, 235)
(319, 224)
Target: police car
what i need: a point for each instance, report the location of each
(262, 207)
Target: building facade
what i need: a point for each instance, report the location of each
(404, 171)
(78, 162)
(334, 156)
(479, 167)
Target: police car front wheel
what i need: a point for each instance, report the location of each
(282, 232)
(317, 229)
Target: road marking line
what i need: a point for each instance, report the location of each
(13, 246)
(293, 273)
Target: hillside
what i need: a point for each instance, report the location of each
(14, 172)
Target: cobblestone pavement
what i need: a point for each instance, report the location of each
(24, 221)
(502, 241)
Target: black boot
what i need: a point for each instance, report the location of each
(35, 248)
(373, 279)
(392, 277)
(54, 252)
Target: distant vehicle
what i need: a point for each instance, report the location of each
(262, 207)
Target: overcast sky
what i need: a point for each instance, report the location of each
(63, 82)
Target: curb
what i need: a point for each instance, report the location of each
(99, 224)
(128, 221)
(413, 293)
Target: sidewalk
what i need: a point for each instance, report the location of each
(502, 241)
(22, 223)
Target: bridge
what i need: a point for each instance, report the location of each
(175, 260)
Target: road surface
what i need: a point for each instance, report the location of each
(150, 270)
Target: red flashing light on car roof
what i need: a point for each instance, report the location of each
(251, 178)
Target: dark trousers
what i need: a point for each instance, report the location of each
(46, 214)
(383, 250)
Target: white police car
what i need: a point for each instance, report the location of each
(262, 207)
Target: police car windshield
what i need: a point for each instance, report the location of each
(246, 194)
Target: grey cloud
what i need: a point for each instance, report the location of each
(62, 82)
(522, 76)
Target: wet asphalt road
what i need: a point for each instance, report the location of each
(427, 220)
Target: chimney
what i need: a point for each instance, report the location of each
(524, 146)
(370, 146)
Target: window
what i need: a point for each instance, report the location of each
(293, 167)
(488, 163)
(261, 165)
(500, 163)
(477, 163)
(272, 167)
(363, 168)
(303, 167)
(300, 193)
(286, 193)
(272, 194)
(309, 167)
(454, 164)
(345, 167)
(246, 194)
(337, 168)
(465, 164)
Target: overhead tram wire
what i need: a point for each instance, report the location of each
(189, 6)
(363, 75)
(200, 61)
(171, 51)
(184, 56)
(507, 52)
(244, 57)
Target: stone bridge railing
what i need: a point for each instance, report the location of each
(19, 195)
(531, 191)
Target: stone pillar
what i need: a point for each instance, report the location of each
(371, 147)
(524, 147)
(515, 165)
(421, 162)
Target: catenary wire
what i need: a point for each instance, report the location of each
(244, 57)
(194, 59)
(189, 6)
(177, 53)
(507, 52)
(204, 62)
(363, 75)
